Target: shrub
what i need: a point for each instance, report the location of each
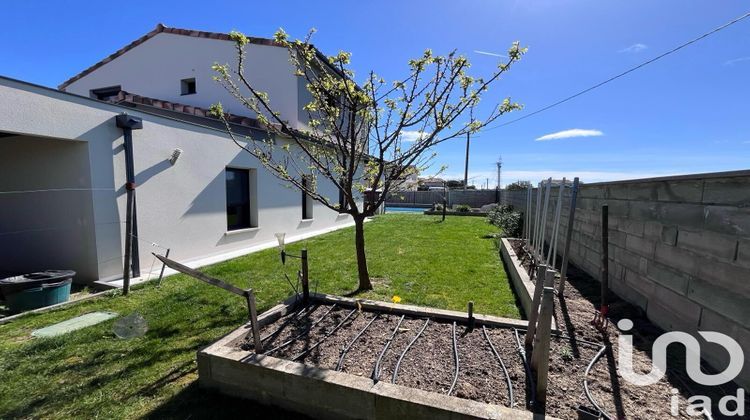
(503, 216)
(463, 208)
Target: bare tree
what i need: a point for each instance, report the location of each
(361, 138)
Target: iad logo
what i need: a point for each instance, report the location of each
(692, 366)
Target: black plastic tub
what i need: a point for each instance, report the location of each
(12, 285)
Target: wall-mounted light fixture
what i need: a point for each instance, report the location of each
(175, 155)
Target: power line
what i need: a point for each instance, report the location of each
(630, 70)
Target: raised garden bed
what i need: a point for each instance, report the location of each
(341, 357)
(615, 397)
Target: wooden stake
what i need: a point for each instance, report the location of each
(568, 236)
(534, 315)
(540, 357)
(250, 296)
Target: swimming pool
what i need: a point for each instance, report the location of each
(390, 209)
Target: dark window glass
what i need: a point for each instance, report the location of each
(188, 86)
(306, 202)
(238, 199)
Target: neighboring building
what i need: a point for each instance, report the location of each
(409, 181)
(432, 182)
(62, 165)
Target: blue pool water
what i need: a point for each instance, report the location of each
(390, 209)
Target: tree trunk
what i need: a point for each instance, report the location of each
(359, 242)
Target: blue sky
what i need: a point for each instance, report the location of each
(687, 113)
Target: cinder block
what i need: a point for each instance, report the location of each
(629, 259)
(676, 258)
(642, 191)
(640, 246)
(743, 253)
(632, 227)
(639, 283)
(728, 276)
(727, 191)
(617, 238)
(688, 191)
(592, 191)
(669, 235)
(683, 215)
(643, 210)
(672, 311)
(713, 321)
(668, 277)
(617, 208)
(618, 192)
(723, 301)
(728, 220)
(708, 243)
(628, 293)
(652, 230)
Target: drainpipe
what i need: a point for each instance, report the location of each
(128, 124)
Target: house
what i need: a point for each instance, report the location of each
(409, 180)
(431, 183)
(63, 165)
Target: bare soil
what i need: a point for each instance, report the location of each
(617, 397)
(320, 335)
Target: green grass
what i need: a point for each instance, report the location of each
(90, 373)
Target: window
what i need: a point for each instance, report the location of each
(307, 202)
(104, 94)
(242, 211)
(188, 86)
(343, 204)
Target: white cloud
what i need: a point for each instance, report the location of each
(410, 136)
(566, 134)
(489, 53)
(634, 49)
(736, 60)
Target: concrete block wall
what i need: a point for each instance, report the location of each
(679, 248)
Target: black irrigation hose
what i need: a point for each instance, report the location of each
(376, 370)
(529, 375)
(403, 353)
(303, 333)
(502, 365)
(340, 364)
(328, 334)
(288, 321)
(586, 383)
(455, 360)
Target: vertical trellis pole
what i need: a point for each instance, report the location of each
(537, 219)
(543, 233)
(555, 227)
(568, 236)
(527, 231)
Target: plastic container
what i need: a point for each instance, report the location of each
(36, 290)
(39, 297)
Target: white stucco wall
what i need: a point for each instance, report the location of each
(155, 68)
(45, 207)
(180, 206)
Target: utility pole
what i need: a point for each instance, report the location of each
(466, 165)
(499, 171)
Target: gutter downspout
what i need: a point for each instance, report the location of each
(132, 262)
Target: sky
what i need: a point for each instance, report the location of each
(687, 113)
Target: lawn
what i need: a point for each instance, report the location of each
(91, 373)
